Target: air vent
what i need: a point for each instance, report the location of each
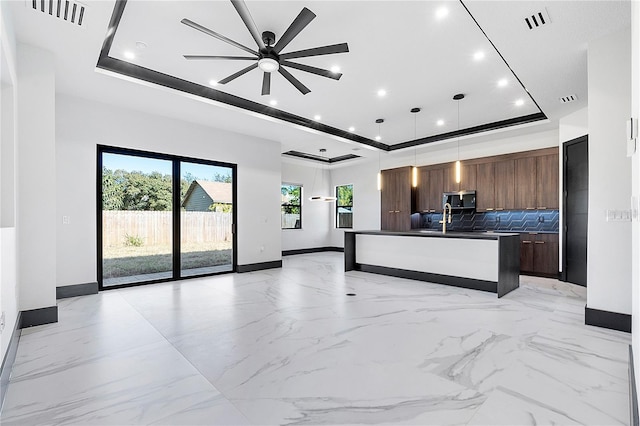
(538, 19)
(569, 98)
(67, 10)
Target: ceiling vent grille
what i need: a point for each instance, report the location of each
(569, 98)
(538, 19)
(67, 10)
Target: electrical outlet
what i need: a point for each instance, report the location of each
(66, 220)
(2, 320)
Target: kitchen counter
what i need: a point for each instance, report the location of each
(487, 261)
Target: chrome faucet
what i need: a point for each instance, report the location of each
(444, 217)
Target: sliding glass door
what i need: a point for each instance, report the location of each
(163, 217)
(206, 219)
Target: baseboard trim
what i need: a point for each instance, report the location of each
(259, 266)
(607, 319)
(311, 250)
(490, 286)
(41, 316)
(9, 359)
(67, 291)
(634, 419)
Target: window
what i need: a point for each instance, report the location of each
(291, 217)
(344, 206)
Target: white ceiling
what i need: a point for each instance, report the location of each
(420, 60)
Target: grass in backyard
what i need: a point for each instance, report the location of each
(129, 261)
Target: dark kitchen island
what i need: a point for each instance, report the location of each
(487, 261)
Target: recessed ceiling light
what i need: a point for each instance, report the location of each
(335, 69)
(273, 102)
(317, 117)
(213, 83)
(503, 82)
(378, 137)
(440, 122)
(382, 93)
(352, 129)
(519, 102)
(442, 12)
(478, 55)
(129, 54)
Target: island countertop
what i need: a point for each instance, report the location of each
(488, 261)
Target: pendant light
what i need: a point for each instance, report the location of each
(320, 197)
(379, 121)
(414, 169)
(458, 98)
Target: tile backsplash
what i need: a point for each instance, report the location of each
(508, 220)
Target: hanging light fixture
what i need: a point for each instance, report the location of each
(414, 169)
(458, 98)
(325, 198)
(379, 121)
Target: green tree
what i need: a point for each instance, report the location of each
(345, 195)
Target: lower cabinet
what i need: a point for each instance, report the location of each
(539, 254)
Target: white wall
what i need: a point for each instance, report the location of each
(570, 127)
(8, 266)
(609, 243)
(36, 176)
(366, 198)
(316, 215)
(82, 124)
(635, 188)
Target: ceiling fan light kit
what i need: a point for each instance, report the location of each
(269, 56)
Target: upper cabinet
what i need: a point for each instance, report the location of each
(505, 185)
(547, 182)
(526, 183)
(430, 189)
(485, 187)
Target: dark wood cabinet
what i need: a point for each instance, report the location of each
(504, 175)
(449, 178)
(526, 183)
(547, 182)
(539, 254)
(396, 199)
(485, 186)
(429, 191)
(422, 191)
(467, 177)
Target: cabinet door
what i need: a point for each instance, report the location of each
(545, 254)
(436, 188)
(485, 184)
(505, 184)
(387, 200)
(422, 191)
(526, 252)
(547, 182)
(450, 184)
(468, 177)
(526, 183)
(403, 207)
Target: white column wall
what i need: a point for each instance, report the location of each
(635, 188)
(609, 243)
(8, 267)
(316, 215)
(83, 124)
(36, 178)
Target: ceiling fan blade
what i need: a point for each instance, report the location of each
(301, 87)
(317, 51)
(199, 57)
(238, 74)
(298, 24)
(266, 83)
(312, 70)
(214, 34)
(243, 11)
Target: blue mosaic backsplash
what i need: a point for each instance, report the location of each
(509, 220)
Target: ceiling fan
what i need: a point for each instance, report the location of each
(268, 57)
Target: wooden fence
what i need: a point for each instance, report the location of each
(154, 228)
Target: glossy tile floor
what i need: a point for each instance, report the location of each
(287, 346)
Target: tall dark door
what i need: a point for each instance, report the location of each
(576, 203)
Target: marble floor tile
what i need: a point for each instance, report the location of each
(287, 346)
